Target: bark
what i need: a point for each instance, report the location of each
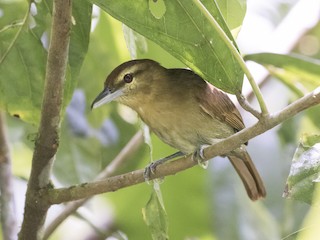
(48, 135)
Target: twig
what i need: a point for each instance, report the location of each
(48, 135)
(56, 196)
(246, 106)
(124, 154)
(7, 207)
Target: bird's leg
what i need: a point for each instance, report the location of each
(150, 169)
(198, 157)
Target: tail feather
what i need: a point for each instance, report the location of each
(249, 175)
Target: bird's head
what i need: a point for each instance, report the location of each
(129, 82)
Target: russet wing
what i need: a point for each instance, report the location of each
(218, 105)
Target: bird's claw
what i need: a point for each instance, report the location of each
(150, 169)
(198, 156)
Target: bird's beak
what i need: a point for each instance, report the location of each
(106, 96)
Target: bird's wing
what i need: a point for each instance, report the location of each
(218, 105)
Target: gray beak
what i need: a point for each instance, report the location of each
(105, 96)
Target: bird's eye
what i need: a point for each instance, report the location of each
(128, 78)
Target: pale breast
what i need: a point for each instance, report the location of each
(183, 128)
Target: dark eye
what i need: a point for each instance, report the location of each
(128, 78)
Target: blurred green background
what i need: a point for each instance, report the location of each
(200, 204)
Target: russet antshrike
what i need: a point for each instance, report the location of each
(183, 110)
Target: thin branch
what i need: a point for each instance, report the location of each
(56, 196)
(235, 53)
(48, 136)
(123, 155)
(246, 106)
(118, 161)
(7, 207)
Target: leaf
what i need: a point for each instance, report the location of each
(305, 168)
(301, 74)
(21, 72)
(293, 70)
(155, 216)
(233, 12)
(80, 34)
(186, 33)
(23, 59)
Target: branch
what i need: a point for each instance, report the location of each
(123, 155)
(7, 207)
(48, 135)
(246, 106)
(56, 196)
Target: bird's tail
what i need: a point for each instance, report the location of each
(249, 175)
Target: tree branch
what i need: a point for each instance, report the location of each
(48, 135)
(123, 155)
(246, 106)
(56, 196)
(7, 207)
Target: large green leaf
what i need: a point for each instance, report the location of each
(293, 70)
(305, 168)
(187, 34)
(23, 58)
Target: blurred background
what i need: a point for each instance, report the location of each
(200, 204)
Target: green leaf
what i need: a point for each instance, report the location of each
(233, 12)
(22, 71)
(293, 70)
(80, 34)
(23, 58)
(187, 34)
(155, 216)
(305, 168)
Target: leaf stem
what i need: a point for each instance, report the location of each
(235, 53)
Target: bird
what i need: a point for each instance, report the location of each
(183, 110)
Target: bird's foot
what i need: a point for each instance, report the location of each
(198, 156)
(151, 168)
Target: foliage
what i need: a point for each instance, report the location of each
(178, 34)
(186, 33)
(22, 98)
(304, 172)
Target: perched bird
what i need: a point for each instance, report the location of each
(183, 110)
